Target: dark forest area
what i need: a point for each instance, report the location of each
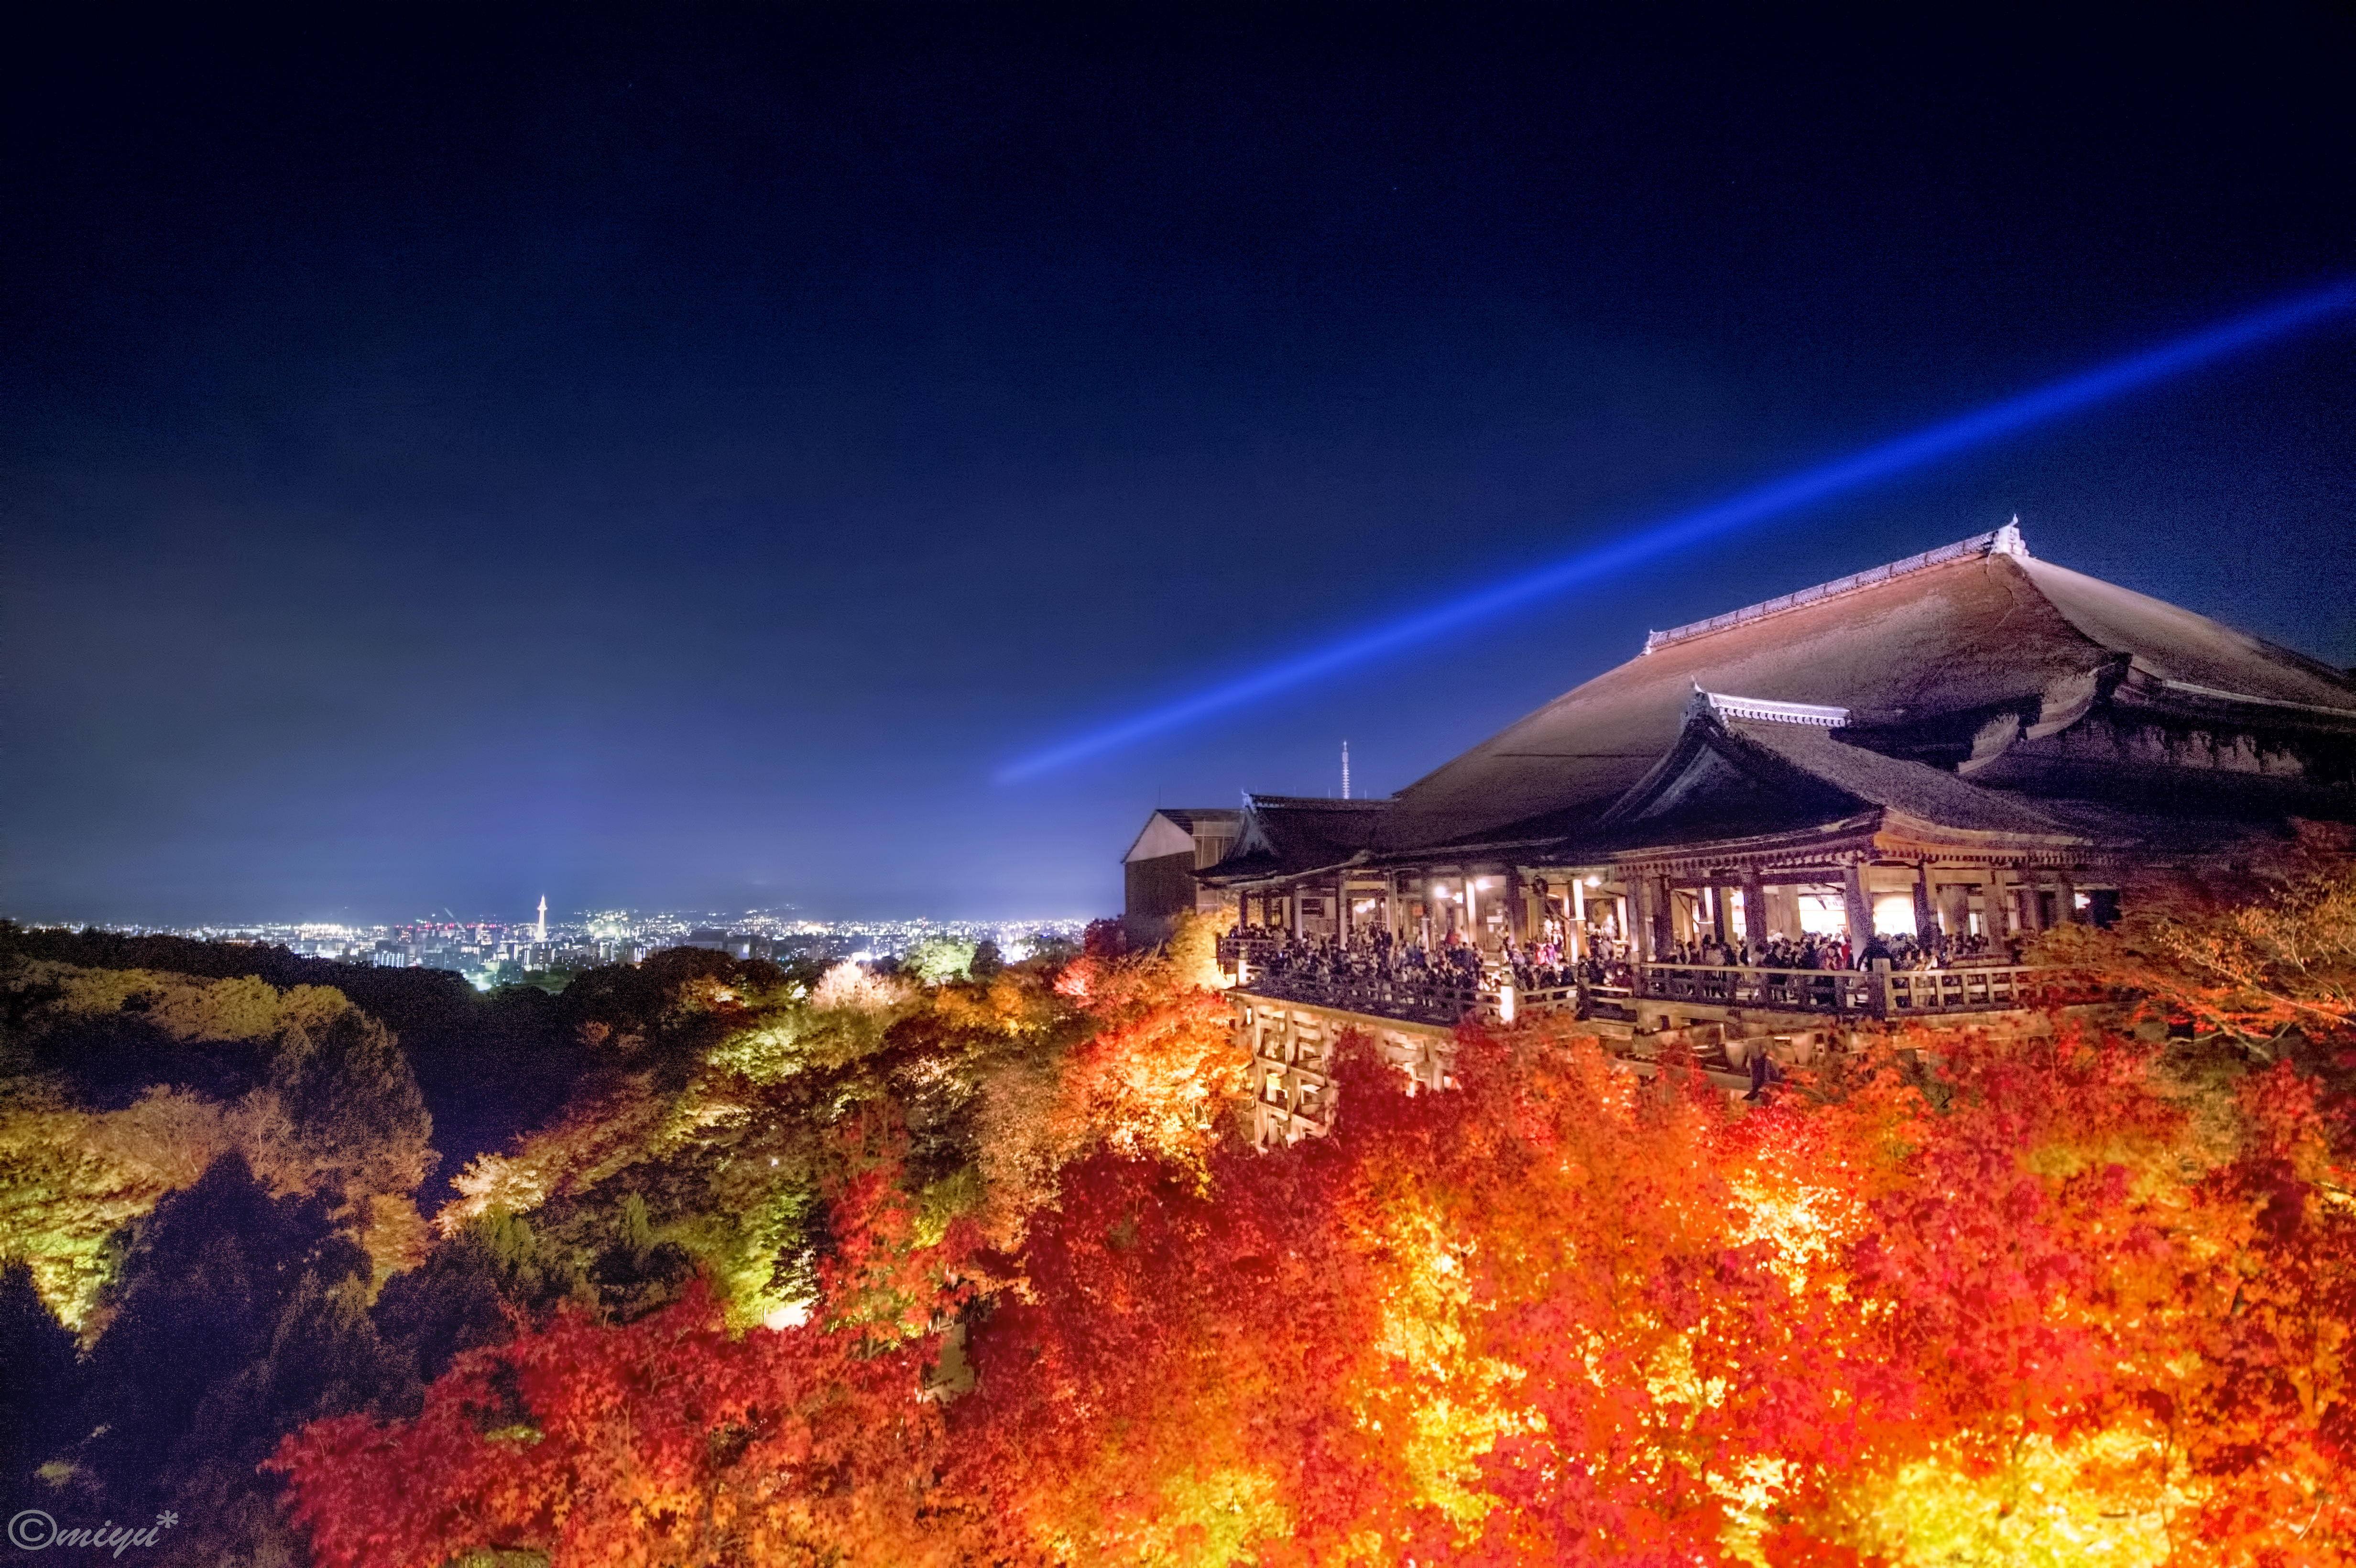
(217, 1170)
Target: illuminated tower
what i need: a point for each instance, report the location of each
(540, 931)
(1345, 770)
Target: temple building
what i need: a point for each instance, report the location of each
(1952, 753)
(1157, 873)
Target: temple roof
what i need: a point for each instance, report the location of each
(1290, 835)
(1173, 830)
(1729, 775)
(1194, 819)
(1980, 629)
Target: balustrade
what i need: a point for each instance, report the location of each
(1447, 998)
(1894, 994)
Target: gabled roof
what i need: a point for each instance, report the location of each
(1730, 774)
(1196, 818)
(1981, 629)
(1173, 829)
(1294, 835)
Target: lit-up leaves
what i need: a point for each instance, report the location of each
(671, 1439)
(1146, 1065)
(1633, 1370)
(313, 1093)
(2058, 1296)
(1173, 1374)
(2272, 972)
(2265, 1417)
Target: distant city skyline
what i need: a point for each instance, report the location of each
(490, 952)
(779, 921)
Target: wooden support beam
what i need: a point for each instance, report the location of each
(1859, 908)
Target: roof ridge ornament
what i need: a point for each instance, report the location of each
(1761, 710)
(2006, 540)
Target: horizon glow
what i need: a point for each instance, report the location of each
(1773, 498)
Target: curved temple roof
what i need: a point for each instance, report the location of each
(1974, 631)
(1952, 636)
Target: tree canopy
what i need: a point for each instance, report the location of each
(818, 1268)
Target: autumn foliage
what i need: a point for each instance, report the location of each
(2077, 1292)
(669, 1439)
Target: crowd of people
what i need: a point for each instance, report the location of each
(1378, 956)
(1890, 952)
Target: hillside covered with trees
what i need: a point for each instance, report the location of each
(707, 1262)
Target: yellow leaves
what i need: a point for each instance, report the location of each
(765, 1054)
(1807, 1216)
(1208, 1517)
(393, 1233)
(1445, 1409)
(1159, 1075)
(185, 1008)
(614, 1124)
(2107, 1499)
(1008, 1008)
(1193, 952)
(70, 1177)
(492, 1181)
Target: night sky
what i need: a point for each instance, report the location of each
(681, 465)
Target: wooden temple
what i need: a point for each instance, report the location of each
(1958, 750)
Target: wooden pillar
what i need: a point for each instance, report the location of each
(2065, 898)
(2033, 898)
(1926, 918)
(1860, 911)
(1755, 925)
(1577, 945)
(1293, 895)
(1663, 925)
(1342, 908)
(1721, 921)
(1954, 904)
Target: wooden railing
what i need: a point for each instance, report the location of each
(1851, 993)
(1433, 1000)
(1906, 993)
(1258, 952)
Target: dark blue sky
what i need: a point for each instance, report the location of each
(680, 465)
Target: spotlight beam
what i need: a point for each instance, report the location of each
(1771, 499)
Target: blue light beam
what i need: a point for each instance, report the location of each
(1770, 500)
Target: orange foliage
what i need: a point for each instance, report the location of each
(669, 1439)
(2049, 1297)
(1156, 1073)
